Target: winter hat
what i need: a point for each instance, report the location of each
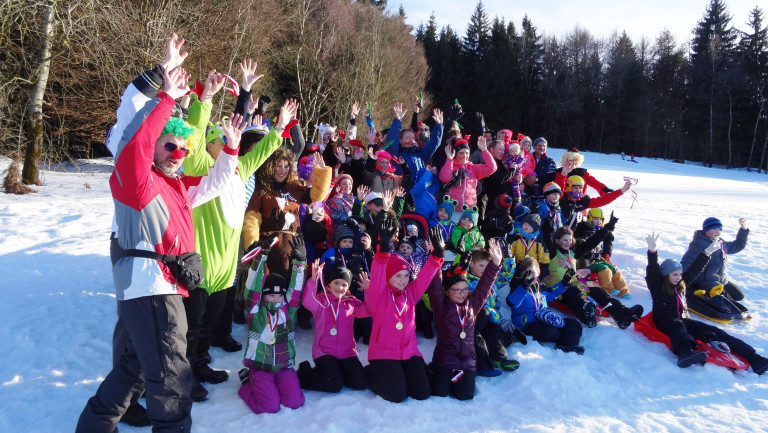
(342, 177)
(274, 284)
(395, 264)
(507, 135)
(304, 168)
(448, 206)
(551, 188)
(461, 143)
(504, 202)
(711, 223)
(382, 154)
(337, 273)
(533, 220)
(514, 146)
(539, 140)
(409, 242)
(257, 129)
(668, 266)
(520, 211)
(342, 232)
(472, 215)
(526, 139)
(375, 198)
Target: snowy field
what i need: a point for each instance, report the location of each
(58, 313)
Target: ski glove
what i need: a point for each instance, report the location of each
(569, 273)
(386, 229)
(651, 241)
(528, 278)
(507, 325)
(438, 245)
(455, 112)
(298, 249)
(611, 222)
(714, 246)
(550, 318)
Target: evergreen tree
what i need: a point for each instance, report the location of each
(753, 58)
(530, 53)
(621, 93)
(497, 95)
(380, 4)
(668, 97)
(710, 81)
(475, 45)
(446, 72)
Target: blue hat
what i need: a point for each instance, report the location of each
(520, 211)
(448, 206)
(711, 223)
(668, 266)
(471, 215)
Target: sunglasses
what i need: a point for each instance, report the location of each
(170, 147)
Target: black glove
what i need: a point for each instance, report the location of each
(611, 223)
(438, 245)
(528, 278)
(606, 190)
(353, 225)
(455, 112)
(567, 276)
(480, 122)
(386, 227)
(262, 104)
(264, 243)
(298, 250)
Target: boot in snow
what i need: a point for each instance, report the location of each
(568, 349)
(759, 364)
(689, 358)
(590, 313)
(136, 416)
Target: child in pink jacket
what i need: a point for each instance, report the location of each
(396, 368)
(334, 349)
(462, 176)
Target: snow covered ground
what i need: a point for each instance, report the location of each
(58, 311)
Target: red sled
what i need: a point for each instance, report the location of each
(557, 305)
(645, 326)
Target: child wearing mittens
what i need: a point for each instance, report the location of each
(269, 379)
(334, 349)
(454, 362)
(396, 369)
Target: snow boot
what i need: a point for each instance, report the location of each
(624, 316)
(227, 343)
(688, 358)
(590, 314)
(507, 364)
(136, 416)
(568, 349)
(243, 375)
(494, 372)
(200, 368)
(198, 393)
(759, 364)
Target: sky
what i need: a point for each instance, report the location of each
(602, 17)
(58, 312)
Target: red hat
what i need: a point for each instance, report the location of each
(382, 154)
(395, 264)
(356, 143)
(342, 134)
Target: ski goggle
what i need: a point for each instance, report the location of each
(170, 147)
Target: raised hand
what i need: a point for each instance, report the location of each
(626, 187)
(233, 130)
(482, 145)
(743, 223)
(213, 83)
(399, 110)
(340, 154)
(386, 228)
(251, 106)
(611, 222)
(248, 67)
(400, 192)
(494, 250)
(298, 249)
(568, 167)
(388, 199)
(449, 152)
(365, 280)
(416, 106)
(362, 191)
(355, 110)
(317, 269)
(569, 273)
(257, 120)
(455, 112)
(357, 153)
(176, 82)
(287, 113)
(173, 55)
(437, 115)
(436, 242)
(528, 278)
(714, 246)
(652, 240)
(365, 241)
(370, 135)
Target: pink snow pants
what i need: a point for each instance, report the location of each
(264, 392)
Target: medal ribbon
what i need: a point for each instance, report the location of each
(399, 310)
(335, 312)
(536, 297)
(466, 310)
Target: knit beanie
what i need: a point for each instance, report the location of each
(514, 146)
(504, 202)
(526, 139)
(409, 242)
(342, 232)
(539, 140)
(461, 143)
(382, 154)
(337, 273)
(448, 206)
(668, 266)
(533, 220)
(472, 215)
(551, 188)
(711, 223)
(274, 284)
(520, 211)
(375, 198)
(395, 264)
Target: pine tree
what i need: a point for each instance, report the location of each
(753, 58)
(530, 53)
(621, 93)
(668, 97)
(475, 46)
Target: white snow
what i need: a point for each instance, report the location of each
(58, 312)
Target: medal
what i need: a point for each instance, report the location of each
(334, 312)
(272, 340)
(333, 331)
(399, 326)
(463, 335)
(273, 327)
(399, 311)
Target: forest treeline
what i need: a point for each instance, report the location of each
(703, 99)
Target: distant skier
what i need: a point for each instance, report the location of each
(632, 158)
(623, 157)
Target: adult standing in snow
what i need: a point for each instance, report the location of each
(543, 173)
(714, 273)
(153, 209)
(570, 163)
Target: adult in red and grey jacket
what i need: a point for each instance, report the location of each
(153, 209)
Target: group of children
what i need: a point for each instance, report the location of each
(398, 237)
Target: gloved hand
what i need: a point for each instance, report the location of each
(386, 228)
(507, 325)
(262, 104)
(455, 112)
(528, 278)
(606, 190)
(438, 245)
(569, 273)
(651, 241)
(298, 249)
(714, 246)
(611, 222)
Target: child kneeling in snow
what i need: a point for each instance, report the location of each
(270, 379)
(334, 349)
